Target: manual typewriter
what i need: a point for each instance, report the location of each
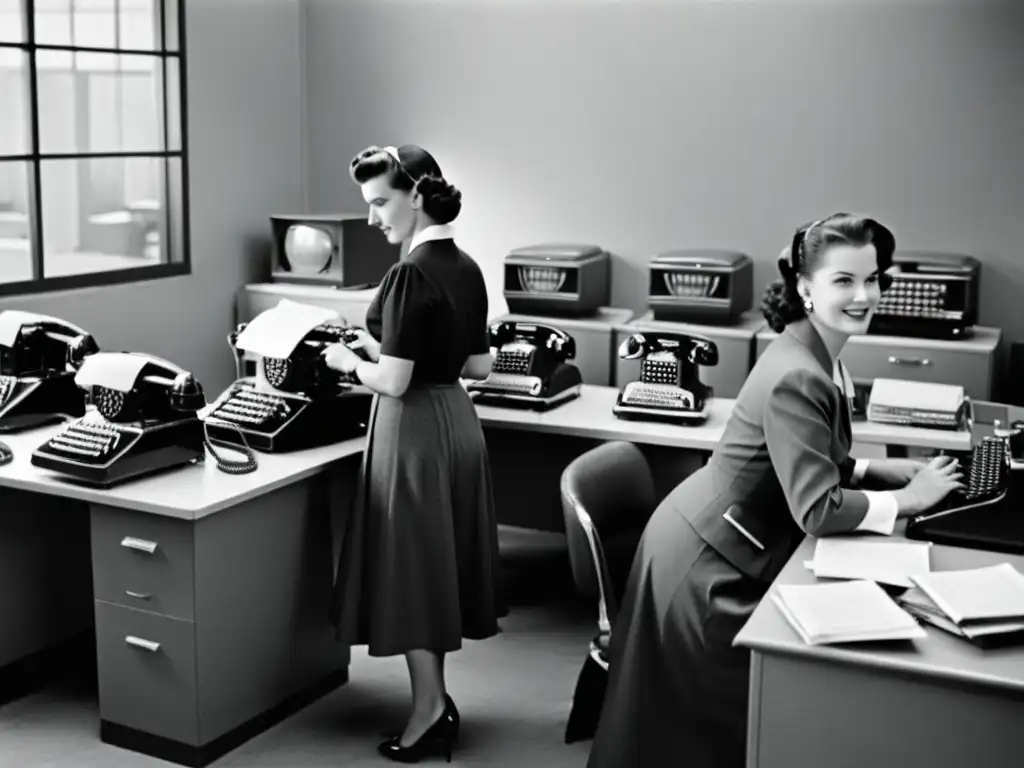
(669, 388)
(39, 357)
(980, 516)
(303, 405)
(143, 420)
(932, 295)
(531, 369)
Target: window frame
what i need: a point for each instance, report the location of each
(33, 160)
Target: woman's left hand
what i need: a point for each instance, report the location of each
(341, 358)
(895, 472)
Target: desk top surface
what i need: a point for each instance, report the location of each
(938, 655)
(188, 493)
(590, 416)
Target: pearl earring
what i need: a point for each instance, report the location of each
(808, 305)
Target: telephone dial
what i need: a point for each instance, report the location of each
(530, 369)
(143, 420)
(669, 388)
(296, 402)
(39, 356)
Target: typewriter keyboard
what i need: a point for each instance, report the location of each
(512, 384)
(659, 372)
(249, 408)
(914, 298)
(514, 362)
(986, 471)
(7, 386)
(88, 442)
(666, 396)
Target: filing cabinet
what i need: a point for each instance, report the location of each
(735, 349)
(595, 338)
(969, 362)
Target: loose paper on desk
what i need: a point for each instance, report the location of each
(921, 396)
(844, 612)
(868, 557)
(976, 594)
(277, 331)
(114, 370)
(11, 321)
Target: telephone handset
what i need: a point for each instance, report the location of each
(669, 388)
(39, 356)
(531, 368)
(143, 419)
(296, 402)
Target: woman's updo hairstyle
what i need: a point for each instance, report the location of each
(782, 303)
(409, 168)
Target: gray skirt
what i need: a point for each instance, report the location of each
(419, 566)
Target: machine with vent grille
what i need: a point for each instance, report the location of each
(142, 419)
(295, 402)
(700, 286)
(531, 369)
(669, 388)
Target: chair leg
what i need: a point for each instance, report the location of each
(586, 702)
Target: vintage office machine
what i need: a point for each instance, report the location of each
(39, 356)
(531, 369)
(932, 295)
(295, 402)
(919, 404)
(986, 514)
(338, 250)
(144, 420)
(669, 388)
(700, 286)
(557, 279)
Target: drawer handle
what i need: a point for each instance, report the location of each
(141, 545)
(922, 361)
(146, 645)
(138, 595)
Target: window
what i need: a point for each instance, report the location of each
(93, 149)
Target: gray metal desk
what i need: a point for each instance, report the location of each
(938, 702)
(207, 592)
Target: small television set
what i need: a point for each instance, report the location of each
(339, 250)
(714, 286)
(567, 279)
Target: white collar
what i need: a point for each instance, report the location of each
(433, 232)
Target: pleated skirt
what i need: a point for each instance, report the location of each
(677, 688)
(419, 565)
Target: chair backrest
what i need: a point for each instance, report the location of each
(606, 490)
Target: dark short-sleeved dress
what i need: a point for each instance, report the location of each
(419, 565)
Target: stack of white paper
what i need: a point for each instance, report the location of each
(277, 331)
(976, 595)
(113, 370)
(844, 612)
(887, 561)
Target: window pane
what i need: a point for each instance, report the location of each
(94, 24)
(14, 134)
(107, 103)
(53, 22)
(101, 214)
(139, 25)
(176, 238)
(12, 21)
(15, 242)
(172, 66)
(171, 24)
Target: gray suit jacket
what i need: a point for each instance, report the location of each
(780, 469)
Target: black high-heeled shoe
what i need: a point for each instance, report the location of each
(452, 713)
(438, 739)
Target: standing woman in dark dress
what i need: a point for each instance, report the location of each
(677, 688)
(419, 567)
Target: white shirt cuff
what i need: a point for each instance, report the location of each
(882, 512)
(860, 469)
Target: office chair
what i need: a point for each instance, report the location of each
(607, 497)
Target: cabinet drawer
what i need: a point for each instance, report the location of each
(146, 666)
(143, 561)
(972, 370)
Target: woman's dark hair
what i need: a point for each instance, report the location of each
(782, 304)
(410, 168)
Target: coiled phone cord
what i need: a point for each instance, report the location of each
(231, 466)
(6, 454)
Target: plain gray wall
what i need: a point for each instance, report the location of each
(645, 126)
(245, 134)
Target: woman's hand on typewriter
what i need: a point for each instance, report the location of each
(895, 473)
(341, 358)
(930, 485)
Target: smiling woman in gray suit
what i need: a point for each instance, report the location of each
(677, 688)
